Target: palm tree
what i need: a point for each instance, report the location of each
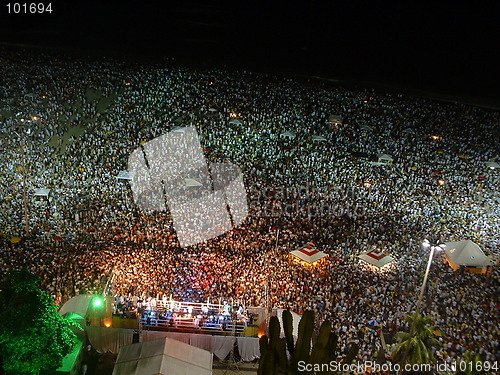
(420, 345)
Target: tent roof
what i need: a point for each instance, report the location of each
(386, 157)
(288, 134)
(125, 175)
(308, 253)
(376, 258)
(235, 121)
(42, 192)
(466, 253)
(318, 138)
(335, 118)
(78, 304)
(492, 164)
(162, 356)
(190, 182)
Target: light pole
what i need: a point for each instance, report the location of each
(25, 185)
(425, 244)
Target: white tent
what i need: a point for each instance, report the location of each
(466, 253)
(336, 119)
(235, 121)
(492, 164)
(384, 158)
(189, 182)
(164, 356)
(308, 253)
(78, 305)
(376, 258)
(42, 192)
(124, 175)
(318, 138)
(288, 135)
(212, 110)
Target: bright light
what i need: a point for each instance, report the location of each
(426, 243)
(436, 137)
(98, 302)
(441, 182)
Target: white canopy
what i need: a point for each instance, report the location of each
(385, 158)
(235, 121)
(42, 192)
(163, 356)
(376, 258)
(318, 138)
(78, 305)
(189, 182)
(492, 164)
(308, 253)
(288, 135)
(365, 127)
(336, 119)
(212, 110)
(125, 175)
(466, 253)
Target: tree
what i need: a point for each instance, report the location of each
(421, 344)
(302, 358)
(33, 335)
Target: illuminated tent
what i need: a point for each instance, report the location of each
(163, 356)
(288, 135)
(308, 253)
(318, 138)
(235, 121)
(467, 254)
(376, 258)
(124, 175)
(191, 182)
(335, 119)
(42, 193)
(77, 305)
(492, 164)
(385, 158)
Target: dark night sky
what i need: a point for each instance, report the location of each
(440, 45)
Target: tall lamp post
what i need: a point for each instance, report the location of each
(25, 184)
(425, 244)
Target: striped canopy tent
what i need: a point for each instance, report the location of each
(308, 253)
(376, 258)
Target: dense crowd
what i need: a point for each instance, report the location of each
(78, 120)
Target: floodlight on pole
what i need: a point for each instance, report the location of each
(425, 244)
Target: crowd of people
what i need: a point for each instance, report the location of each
(69, 125)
